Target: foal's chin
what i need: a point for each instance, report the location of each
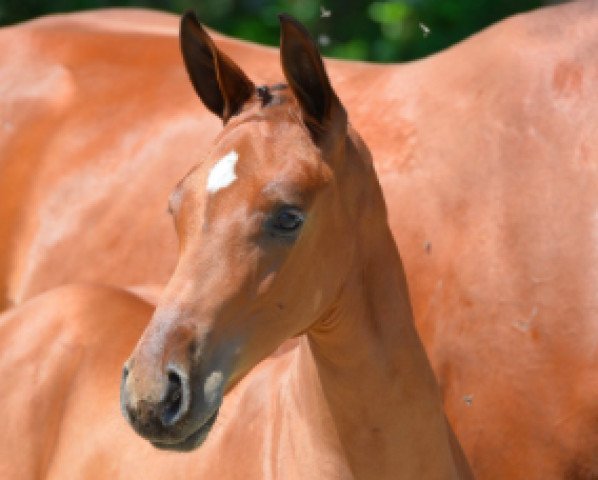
(193, 441)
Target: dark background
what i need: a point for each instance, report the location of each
(382, 31)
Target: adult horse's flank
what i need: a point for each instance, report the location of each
(283, 233)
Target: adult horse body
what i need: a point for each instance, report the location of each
(98, 123)
(490, 179)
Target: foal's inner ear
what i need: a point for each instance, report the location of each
(219, 82)
(305, 73)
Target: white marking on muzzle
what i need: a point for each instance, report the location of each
(212, 387)
(223, 173)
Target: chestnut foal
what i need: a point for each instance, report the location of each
(283, 233)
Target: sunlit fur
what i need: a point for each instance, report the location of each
(486, 159)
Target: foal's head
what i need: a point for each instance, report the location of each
(267, 228)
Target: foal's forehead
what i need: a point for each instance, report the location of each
(265, 130)
(265, 147)
(265, 154)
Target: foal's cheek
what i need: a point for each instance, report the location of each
(317, 300)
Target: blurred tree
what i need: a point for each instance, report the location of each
(381, 30)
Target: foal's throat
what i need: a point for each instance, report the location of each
(375, 376)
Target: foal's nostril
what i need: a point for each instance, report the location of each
(175, 399)
(131, 414)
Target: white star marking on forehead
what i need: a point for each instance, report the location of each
(223, 173)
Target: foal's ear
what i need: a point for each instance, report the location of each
(219, 82)
(305, 73)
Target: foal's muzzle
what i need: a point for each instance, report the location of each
(161, 414)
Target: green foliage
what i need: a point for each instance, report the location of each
(383, 30)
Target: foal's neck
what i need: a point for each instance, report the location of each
(375, 376)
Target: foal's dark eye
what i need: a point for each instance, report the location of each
(286, 221)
